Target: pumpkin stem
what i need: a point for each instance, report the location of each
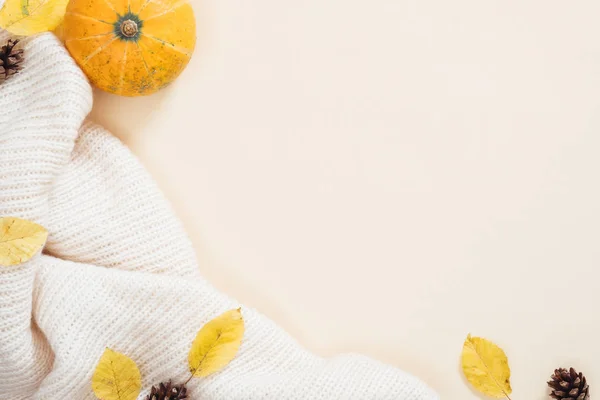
(129, 28)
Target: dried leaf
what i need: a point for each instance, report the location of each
(20, 240)
(116, 377)
(216, 344)
(28, 17)
(486, 367)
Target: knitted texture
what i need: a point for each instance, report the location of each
(117, 261)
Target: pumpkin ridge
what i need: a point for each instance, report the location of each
(150, 75)
(89, 37)
(144, 60)
(87, 16)
(109, 4)
(124, 62)
(143, 6)
(178, 49)
(99, 50)
(175, 7)
(148, 2)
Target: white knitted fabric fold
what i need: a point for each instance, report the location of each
(119, 271)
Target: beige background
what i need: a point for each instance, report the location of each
(386, 176)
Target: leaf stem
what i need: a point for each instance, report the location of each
(192, 375)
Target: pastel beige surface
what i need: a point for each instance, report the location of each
(118, 270)
(387, 176)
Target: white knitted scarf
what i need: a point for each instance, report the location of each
(118, 271)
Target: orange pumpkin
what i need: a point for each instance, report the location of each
(130, 47)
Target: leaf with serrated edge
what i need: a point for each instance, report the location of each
(116, 377)
(20, 240)
(29, 17)
(486, 367)
(216, 344)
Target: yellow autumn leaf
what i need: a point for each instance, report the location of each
(486, 367)
(216, 344)
(20, 240)
(116, 377)
(28, 17)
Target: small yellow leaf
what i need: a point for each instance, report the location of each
(28, 17)
(116, 377)
(216, 344)
(486, 367)
(20, 240)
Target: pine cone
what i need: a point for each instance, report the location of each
(10, 59)
(168, 391)
(568, 385)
